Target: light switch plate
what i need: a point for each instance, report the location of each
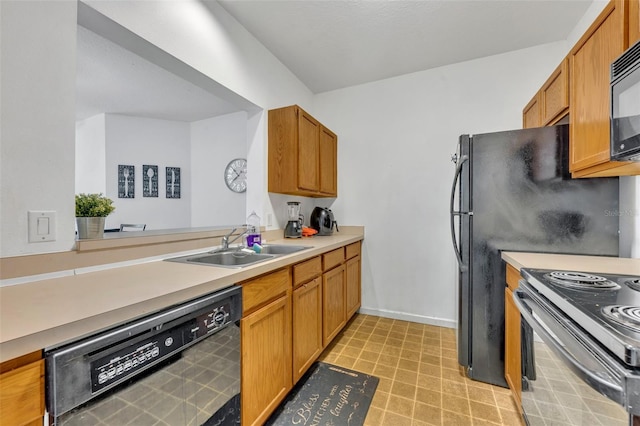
(42, 226)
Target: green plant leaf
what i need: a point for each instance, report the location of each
(93, 205)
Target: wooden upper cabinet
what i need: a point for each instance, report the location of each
(551, 103)
(634, 21)
(554, 95)
(531, 113)
(328, 162)
(590, 61)
(302, 154)
(308, 152)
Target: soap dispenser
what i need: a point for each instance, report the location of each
(253, 225)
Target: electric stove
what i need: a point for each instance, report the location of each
(606, 306)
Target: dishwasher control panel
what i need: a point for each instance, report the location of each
(79, 371)
(127, 361)
(123, 362)
(212, 320)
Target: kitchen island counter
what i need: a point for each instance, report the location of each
(567, 262)
(49, 312)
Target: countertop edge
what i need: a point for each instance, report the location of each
(571, 262)
(210, 279)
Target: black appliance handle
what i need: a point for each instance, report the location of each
(461, 265)
(607, 387)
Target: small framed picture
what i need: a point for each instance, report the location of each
(173, 182)
(149, 181)
(126, 181)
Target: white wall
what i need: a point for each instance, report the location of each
(138, 141)
(215, 142)
(37, 146)
(201, 149)
(90, 155)
(203, 35)
(38, 84)
(396, 138)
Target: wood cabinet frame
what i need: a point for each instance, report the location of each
(531, 113)
(589, 127)
(634, 21)
(22, 390)
(551, 103)
(289, 316)
(513, 355)
(266, 345)
(307, 326)
(302, 154)
(580, 88)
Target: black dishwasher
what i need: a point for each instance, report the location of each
(180, 366)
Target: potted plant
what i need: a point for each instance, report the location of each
(91, 210)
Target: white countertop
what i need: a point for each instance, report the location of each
(567, 262)
(45, 313)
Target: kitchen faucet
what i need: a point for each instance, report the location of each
(225, 239)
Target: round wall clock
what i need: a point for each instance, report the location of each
(235, 175)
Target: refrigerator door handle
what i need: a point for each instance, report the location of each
(463, 159)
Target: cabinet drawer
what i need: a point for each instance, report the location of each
(513, 276)
(258, 291)
(353, 250)
(303, 272)
(332, 259)
(22, 394)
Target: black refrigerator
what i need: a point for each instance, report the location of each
(512, 191)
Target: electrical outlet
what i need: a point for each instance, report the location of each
(42, 226)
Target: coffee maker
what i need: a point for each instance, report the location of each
(295, 219)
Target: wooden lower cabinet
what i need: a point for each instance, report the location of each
(289, 317)
(307, 326)
(512, 360)
(513, 356)
(334, 308)
(353, 297)
(22, 390)
(266, 359)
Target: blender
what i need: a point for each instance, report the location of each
(295, 219)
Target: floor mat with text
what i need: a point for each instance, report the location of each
(327, 395)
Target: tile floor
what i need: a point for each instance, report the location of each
(420, 380)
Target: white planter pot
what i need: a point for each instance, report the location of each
(90, 227)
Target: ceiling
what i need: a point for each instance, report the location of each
(332, 44)
(327, 44)
(112, 79)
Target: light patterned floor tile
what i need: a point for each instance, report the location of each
(421, 382)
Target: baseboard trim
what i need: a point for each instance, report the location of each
(440, 322)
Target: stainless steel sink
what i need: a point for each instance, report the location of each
(282, 249)
(239, 258)
(228, 259)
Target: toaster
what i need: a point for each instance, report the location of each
(322, 220)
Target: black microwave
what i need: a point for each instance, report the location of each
(625, 105)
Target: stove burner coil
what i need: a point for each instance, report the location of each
(628, 316)
(581, 280)
(633, 283)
